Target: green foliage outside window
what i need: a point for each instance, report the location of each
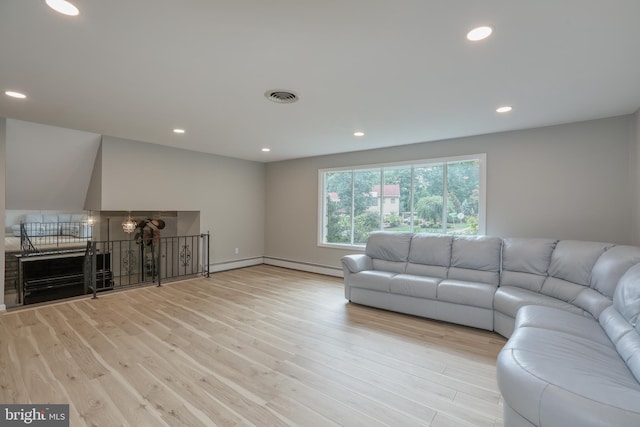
(438, 197)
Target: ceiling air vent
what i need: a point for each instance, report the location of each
(281, 96)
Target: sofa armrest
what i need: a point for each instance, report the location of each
(356, 263)
(352, 264)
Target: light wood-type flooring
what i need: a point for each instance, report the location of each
(259, 346)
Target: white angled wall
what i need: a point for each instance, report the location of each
(49, 168)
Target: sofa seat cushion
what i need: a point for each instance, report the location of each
(509, 299)
(372, 279)
(414, 286)
(467, 293)
(426, 270)
(537, 316)
(543, 372)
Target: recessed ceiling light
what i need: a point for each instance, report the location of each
(358, 133)
(178, 131)
(266, 150)
(479, 33)
(64, 7)
(504, 109)
(15, 94)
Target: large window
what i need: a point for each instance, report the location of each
(432, 196)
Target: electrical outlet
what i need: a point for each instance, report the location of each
(237, 251)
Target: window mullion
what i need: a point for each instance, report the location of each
(381, 213)
(411, 201)
(353, 206)
(445, 198)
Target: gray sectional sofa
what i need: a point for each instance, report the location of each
(569, 308)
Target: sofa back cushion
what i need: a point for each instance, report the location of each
(78, 218)
(623, 324)
(32, 218)
(51, 219)
(611, 266)
(430, 255)
(64, 217)
(389, 250)
(525, 262)
(570, 270)
(573, 260)
(605, 275)
(475, 258)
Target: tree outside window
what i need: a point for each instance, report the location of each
(436, 196)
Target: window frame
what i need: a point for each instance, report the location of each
(322, 208)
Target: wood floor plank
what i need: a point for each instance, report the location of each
(298, 413)
(374, 399)
(254, 346)
(12, 386)
(34, 371)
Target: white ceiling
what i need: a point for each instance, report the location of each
(401, 71)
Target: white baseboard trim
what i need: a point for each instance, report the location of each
(3, 307)
(278, 262)
(232, 265)
(304, 266)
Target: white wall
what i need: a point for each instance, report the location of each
(188, 223)
(570, 181)
(71, 170)
(2, 203)
(229, 193)
(49, 167)
(93, 198)
(575, 181)
(13, 217)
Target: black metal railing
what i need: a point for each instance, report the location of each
(133, 263)
(26, 245)
(38, 237)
